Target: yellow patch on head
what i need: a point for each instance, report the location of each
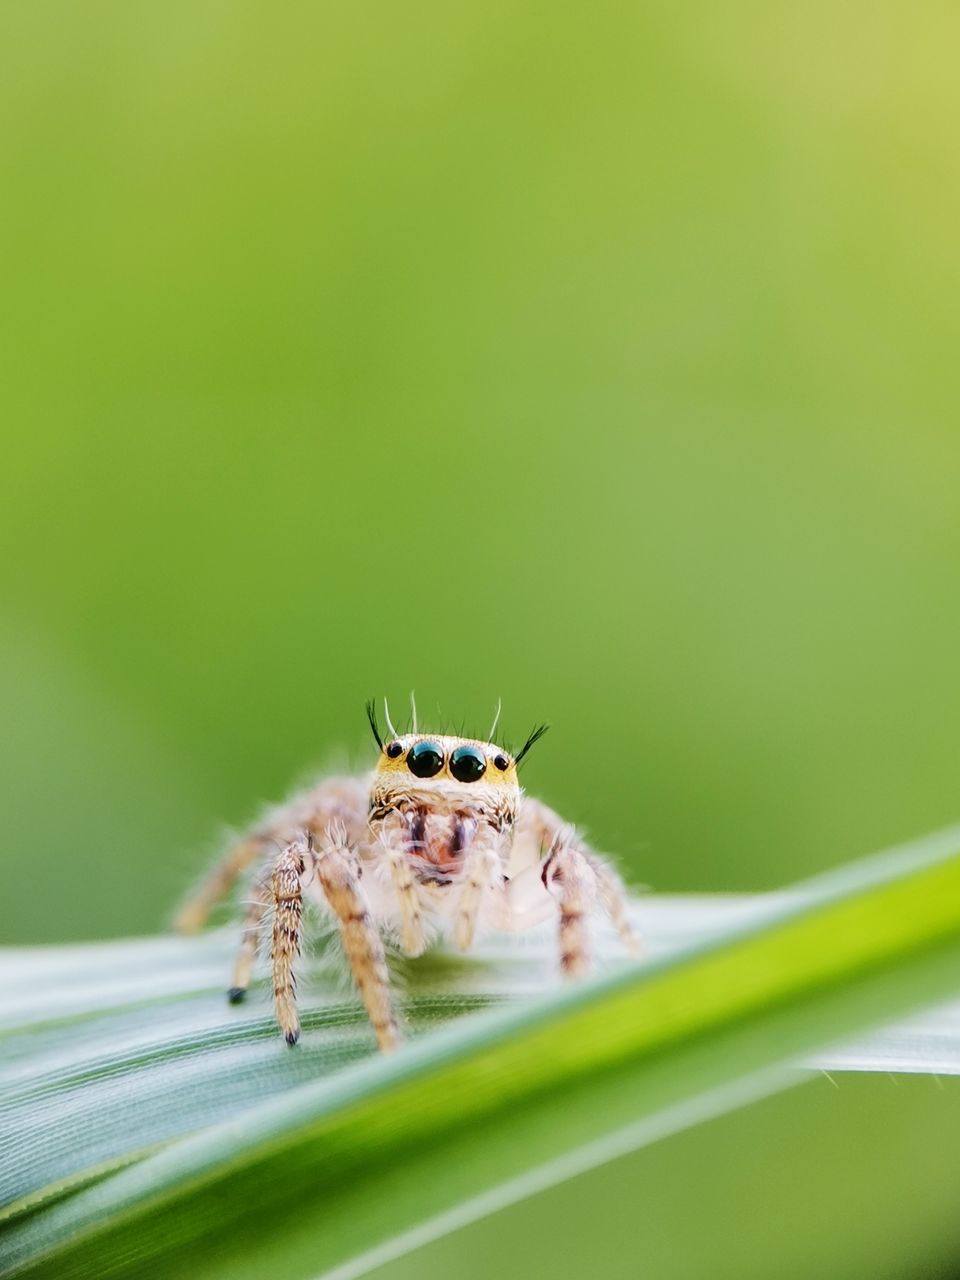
(423, 757)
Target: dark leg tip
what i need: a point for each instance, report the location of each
(236, 995)
(292, 1037)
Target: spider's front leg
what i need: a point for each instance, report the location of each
(333, 868)
(338, 875)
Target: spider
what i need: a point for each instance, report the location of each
(439, 837)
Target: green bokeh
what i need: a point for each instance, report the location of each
(852, 1178)
(599, 358)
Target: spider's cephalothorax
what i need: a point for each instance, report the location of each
(437, 839)
(438, 797)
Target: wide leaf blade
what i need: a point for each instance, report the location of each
(516, 1097)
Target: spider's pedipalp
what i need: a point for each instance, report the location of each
(413, 937)
(482, 873)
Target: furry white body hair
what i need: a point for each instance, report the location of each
(438, 841)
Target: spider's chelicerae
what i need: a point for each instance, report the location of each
(437, 838)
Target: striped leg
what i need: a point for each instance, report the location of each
(249, 941)
(337, 873)
(285, 942)
(193, 915)
(614, 899)
(570, 878)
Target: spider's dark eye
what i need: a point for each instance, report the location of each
(467, 764)
(502, 763)
(425, 759)
(393, 749)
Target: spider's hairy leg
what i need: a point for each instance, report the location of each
(614, 898)
(481, 868)
(568, 875)
(338, 875)
(249, 940)
(194, 913)
(574, 875)
(285, 939)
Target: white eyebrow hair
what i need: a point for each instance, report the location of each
(496, 720)
(386, 712)
(413, 709)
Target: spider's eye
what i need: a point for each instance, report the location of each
(393, 749)
(501, 762)
(425, 759)
(467, 764)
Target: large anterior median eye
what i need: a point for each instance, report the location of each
(425, 759)
(467, 764)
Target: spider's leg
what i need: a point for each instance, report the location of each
(193, 915)
(249, 940)
(482, 866)
(285, 938)
(568, 875)
(574, 875)
(614, 898)
(338, 876)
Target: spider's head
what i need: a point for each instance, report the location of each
(450, 767)
(418, 758)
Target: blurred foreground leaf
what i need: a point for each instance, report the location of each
(147, 1129)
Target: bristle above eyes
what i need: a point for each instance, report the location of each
(372, 717)
(535, 736)
(460, 731)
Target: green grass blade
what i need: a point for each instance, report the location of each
(514, 1098)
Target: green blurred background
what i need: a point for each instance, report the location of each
(603, 358)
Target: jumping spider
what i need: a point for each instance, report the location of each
(438, 837)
